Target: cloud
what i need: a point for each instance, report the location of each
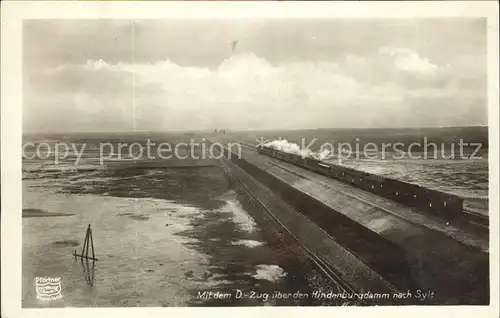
(409, 61)
(243, 91)
(243, 78)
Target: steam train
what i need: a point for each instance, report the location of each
(439, 203)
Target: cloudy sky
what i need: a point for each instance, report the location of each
(121, 75)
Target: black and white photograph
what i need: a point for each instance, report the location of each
(255, 161)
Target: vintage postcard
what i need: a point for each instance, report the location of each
(310, 158)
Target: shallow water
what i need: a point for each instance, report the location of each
(161, 236)
(134, 255)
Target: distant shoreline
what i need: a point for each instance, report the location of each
(210, 130)
(31, 213)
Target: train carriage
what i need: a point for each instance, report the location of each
(432, 201)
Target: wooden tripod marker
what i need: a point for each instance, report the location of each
(85, 249)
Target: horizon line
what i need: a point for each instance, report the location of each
(247, 129)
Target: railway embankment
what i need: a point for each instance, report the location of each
(403, 248)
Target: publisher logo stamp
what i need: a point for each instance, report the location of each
(48, 288)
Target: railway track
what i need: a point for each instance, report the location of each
(323, 266)
(476, 219)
